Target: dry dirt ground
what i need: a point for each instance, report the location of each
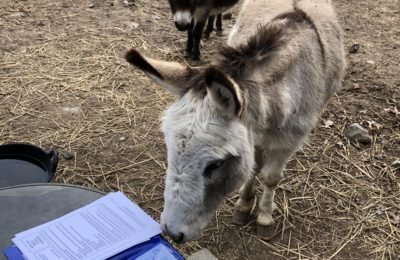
(64, 84)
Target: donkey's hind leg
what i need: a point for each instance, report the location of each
(219, 25)
(244, 204)
(271, 174)
(209, 28)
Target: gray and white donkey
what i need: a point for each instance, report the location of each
(246, 114)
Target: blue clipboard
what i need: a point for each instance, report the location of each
(157, 248)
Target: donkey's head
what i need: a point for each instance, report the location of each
(209, 149)
(182, 11)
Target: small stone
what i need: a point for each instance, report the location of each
(355, 132)
(127, 3)
(354, 48)
(72, 110)
(156, 17)
(396, 163)
(133, 25)
(328, 124)
(314, 158)
(91, 5)
(122, 138)
(68, 155)
(371, 62)
(203, 254)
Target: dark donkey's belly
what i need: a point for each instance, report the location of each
(203, 9)
(220, 7)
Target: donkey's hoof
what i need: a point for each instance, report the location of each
(220, 33)
(227, 16)
(195, 57)
(187, 54)
(240, 218)
(266, 232)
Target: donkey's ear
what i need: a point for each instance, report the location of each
(224, 92)
(170, 75)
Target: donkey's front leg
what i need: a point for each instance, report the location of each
(197, 33)
(189, 44)
(271, 174)
(244, 204)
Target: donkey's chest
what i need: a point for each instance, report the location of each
(271, 140)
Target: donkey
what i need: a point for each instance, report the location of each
(246, 114)
(191, 16)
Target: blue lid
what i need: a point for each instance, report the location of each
(157, 248)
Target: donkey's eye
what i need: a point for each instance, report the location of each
(213, 166)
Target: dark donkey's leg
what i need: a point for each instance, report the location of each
(210, 27)
(197, 33)
(189, 45)
(219, 25)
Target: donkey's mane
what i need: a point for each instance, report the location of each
(267, 39)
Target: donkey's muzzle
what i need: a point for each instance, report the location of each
(182, 26)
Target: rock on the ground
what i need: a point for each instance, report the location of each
(355, 132)
(68, 155)
(128, 3)
(203, 254)
(396, 163)
(354, 48)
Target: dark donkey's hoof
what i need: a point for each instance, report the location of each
(187, 54)
(240, 218)
(206, 35)
(266, 232)
(195, 56)
(227, 16)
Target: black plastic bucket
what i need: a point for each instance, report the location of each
(22, 163)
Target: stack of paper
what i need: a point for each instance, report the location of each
(99, 230)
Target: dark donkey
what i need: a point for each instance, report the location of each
(191, 16)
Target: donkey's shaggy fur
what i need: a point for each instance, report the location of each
(248, 113)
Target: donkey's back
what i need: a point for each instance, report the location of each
(256, 13)
(293, 49)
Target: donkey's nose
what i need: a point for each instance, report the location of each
(178, 237)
